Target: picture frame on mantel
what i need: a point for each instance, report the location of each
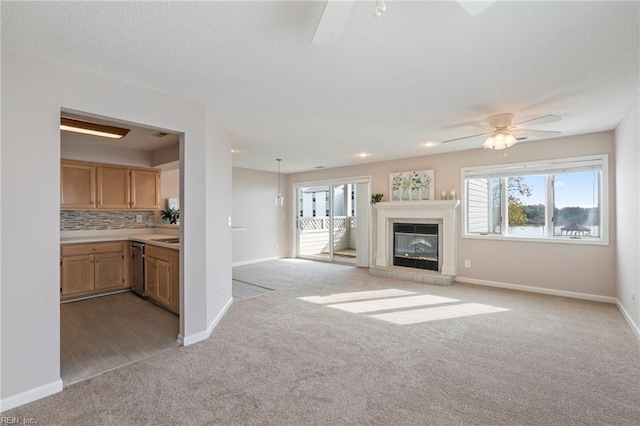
(412, 186)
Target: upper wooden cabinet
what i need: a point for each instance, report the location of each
(113, 185)
(108, 186)
(145, 189)
(78, 186)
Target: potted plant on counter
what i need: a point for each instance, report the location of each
(171, 215)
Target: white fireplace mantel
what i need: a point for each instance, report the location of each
(397, 211)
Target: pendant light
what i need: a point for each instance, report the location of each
(279, 198)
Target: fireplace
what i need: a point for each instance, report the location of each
(415, 245)
(441, 213)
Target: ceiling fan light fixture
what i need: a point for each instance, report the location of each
(379, 9)
(499, 140)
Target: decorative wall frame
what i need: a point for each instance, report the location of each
(411, 186)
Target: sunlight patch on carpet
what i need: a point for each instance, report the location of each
(416, 316)
(396, 300)
(357, 295)
(394, 303)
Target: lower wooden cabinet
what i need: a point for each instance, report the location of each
(162, 276)
(94, 268)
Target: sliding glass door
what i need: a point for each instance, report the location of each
(327, 222)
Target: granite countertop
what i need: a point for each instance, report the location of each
(134, 236)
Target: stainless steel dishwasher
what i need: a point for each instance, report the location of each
(137, 268)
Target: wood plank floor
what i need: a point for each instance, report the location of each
(108, 332)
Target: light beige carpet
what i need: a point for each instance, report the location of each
(397, 353)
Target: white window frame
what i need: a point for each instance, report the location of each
(559, 165)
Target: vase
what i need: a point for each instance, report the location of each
(424, 193)
(405, 194)
(395, 195)
(415, 194)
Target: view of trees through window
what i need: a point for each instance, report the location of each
(562, 201)
(575, 204)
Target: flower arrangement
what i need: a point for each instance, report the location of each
(413, 185)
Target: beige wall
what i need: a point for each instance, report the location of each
(264, 235)
(169, 185)
(567, 267)
(627, 137)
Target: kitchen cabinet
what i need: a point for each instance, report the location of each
(78, 186)
(162, 276)
(85, 186)
(95, 268)
(145, 189)
(113, 187)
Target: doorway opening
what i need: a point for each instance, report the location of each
(332, 222)
(120, 279)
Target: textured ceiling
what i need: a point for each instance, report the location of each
(423, 71)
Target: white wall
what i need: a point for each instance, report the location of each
(627, 138)
(566, 267)
(34, 91)
(254, 209)
(73, 147)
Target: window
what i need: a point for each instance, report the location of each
(555, 200)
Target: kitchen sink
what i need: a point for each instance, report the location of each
(168, 240)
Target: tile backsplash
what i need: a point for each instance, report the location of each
(77, 220)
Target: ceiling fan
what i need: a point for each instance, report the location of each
(503, 134)
(336, 13)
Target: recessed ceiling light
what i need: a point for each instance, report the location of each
(94, 129)
(430, 144)
(364, 154)
(234, 151)
(319, 167)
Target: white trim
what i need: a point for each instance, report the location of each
(204, 335)
(625, 314)
(31, 395)
(553, 240)
(534, 166)
(550, 291)
(294, 207)
(398, 211)
(249, 262)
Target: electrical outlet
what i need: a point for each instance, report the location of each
(138, 218)
(467, 264)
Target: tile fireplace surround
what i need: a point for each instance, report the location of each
(441, 212)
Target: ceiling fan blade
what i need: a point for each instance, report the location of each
(332, 21)
(467, 137)
(475, 7)
(540, 120)
(539, 133)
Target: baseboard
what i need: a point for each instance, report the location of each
(625, 314)
(552, 292)
(250, 262)
(30, 395)
(204, 335)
